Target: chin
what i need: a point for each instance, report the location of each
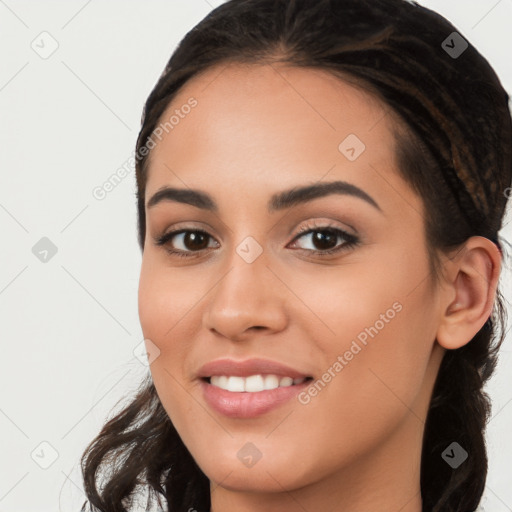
(266, 475)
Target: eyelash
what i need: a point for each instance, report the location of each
(350, 240)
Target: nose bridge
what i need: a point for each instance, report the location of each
(248, 294)
(246, 273)
(246, 254)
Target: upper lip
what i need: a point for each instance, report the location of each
(244, 368)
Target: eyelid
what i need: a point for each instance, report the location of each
(190, 226)
(325, 224)
(302, 229)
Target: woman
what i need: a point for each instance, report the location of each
(320, 191)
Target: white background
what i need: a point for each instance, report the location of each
(70, 326)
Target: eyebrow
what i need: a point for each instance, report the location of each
(279, 201)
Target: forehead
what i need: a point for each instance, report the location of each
(271, 127)
(260, 94)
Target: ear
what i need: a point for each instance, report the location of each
(471, 279)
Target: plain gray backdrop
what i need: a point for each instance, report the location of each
(73, 80)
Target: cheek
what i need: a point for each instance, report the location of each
(381, 320)
(169, 314)
(162, 302)
(347, 301)
(378, 382)
(165, 296)
(151, 304)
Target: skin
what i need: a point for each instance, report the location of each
(356, 446)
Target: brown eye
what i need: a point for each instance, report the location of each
(195, 240)
(324, 240)
(185, 241)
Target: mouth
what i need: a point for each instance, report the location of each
(246, 397)
(251, 387)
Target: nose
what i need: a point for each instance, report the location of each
(248, 299)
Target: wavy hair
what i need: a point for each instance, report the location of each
(453, 129)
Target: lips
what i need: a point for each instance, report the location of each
(248, 405)
(244, 368)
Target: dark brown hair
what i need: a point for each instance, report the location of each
(453, 130)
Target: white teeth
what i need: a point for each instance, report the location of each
(271, 382)
(235, 383)
(253, 383)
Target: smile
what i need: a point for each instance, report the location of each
(253, 383)
(249, 404)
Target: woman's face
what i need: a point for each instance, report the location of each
(361, 322)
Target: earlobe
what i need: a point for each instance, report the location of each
(467, 300)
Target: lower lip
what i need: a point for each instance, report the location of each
(245, 404)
